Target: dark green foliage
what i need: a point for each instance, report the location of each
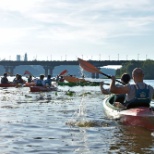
(71, 84)
(147, 66)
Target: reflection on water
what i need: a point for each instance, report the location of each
(64, 122)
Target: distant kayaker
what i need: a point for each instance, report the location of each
(137, 94)
(61, 79)
(15, 80)
(20, 79)
(40, 81)
(57, 78)
(30, 79)
(4, 79)
(48, 81)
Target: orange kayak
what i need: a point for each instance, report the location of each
(42, 89)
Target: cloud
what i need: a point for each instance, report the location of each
(83, 23)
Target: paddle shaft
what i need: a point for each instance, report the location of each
(111, 77)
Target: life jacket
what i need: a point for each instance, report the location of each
(39, 83)
(142, 97)
(48, 81)
(20, 81)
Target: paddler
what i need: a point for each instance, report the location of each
(4, 79)
(137, 94)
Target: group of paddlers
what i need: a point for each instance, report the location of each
(41, 81)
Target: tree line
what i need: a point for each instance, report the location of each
(147, 66)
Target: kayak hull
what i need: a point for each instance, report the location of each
(140, 116)
(42, 89)
(16, 85)
(7, 85)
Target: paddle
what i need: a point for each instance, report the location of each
(29, 73)
(63, 72)
(77, 80)
(91, 68)
(73, 79)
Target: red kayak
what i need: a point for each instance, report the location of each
(42, 89)
(139, 116)
(8, 85)
(17, 85)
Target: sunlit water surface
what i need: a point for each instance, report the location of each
(69, 121)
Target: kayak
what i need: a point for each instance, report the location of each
(7, 85)
(42, 89)
(17, 85)
(72, 84)
(27, 84)
(139, 116)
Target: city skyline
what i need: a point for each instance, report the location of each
(66, 30)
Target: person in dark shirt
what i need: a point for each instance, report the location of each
(48, 81)
(30, 79)
(20, 80)
(40, 81)
(4, 79)
(15, 80)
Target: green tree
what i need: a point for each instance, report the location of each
(147, 67)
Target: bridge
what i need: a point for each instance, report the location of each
(49, 65)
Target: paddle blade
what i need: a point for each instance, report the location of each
(87, 66)
(73, 79)
(90, 68)
(63, 72)
(27, 72)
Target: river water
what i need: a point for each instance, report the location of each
(70, 121)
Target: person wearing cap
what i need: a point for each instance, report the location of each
(4, 79)
(137, 94)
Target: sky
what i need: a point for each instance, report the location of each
(68, 29)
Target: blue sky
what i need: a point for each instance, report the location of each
(67, 29)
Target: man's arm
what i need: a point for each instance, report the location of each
(117, 89)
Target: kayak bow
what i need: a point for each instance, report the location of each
(140, 116)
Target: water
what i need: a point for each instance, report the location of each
(70, 121)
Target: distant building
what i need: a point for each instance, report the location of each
(25, 57)
(18, 57)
